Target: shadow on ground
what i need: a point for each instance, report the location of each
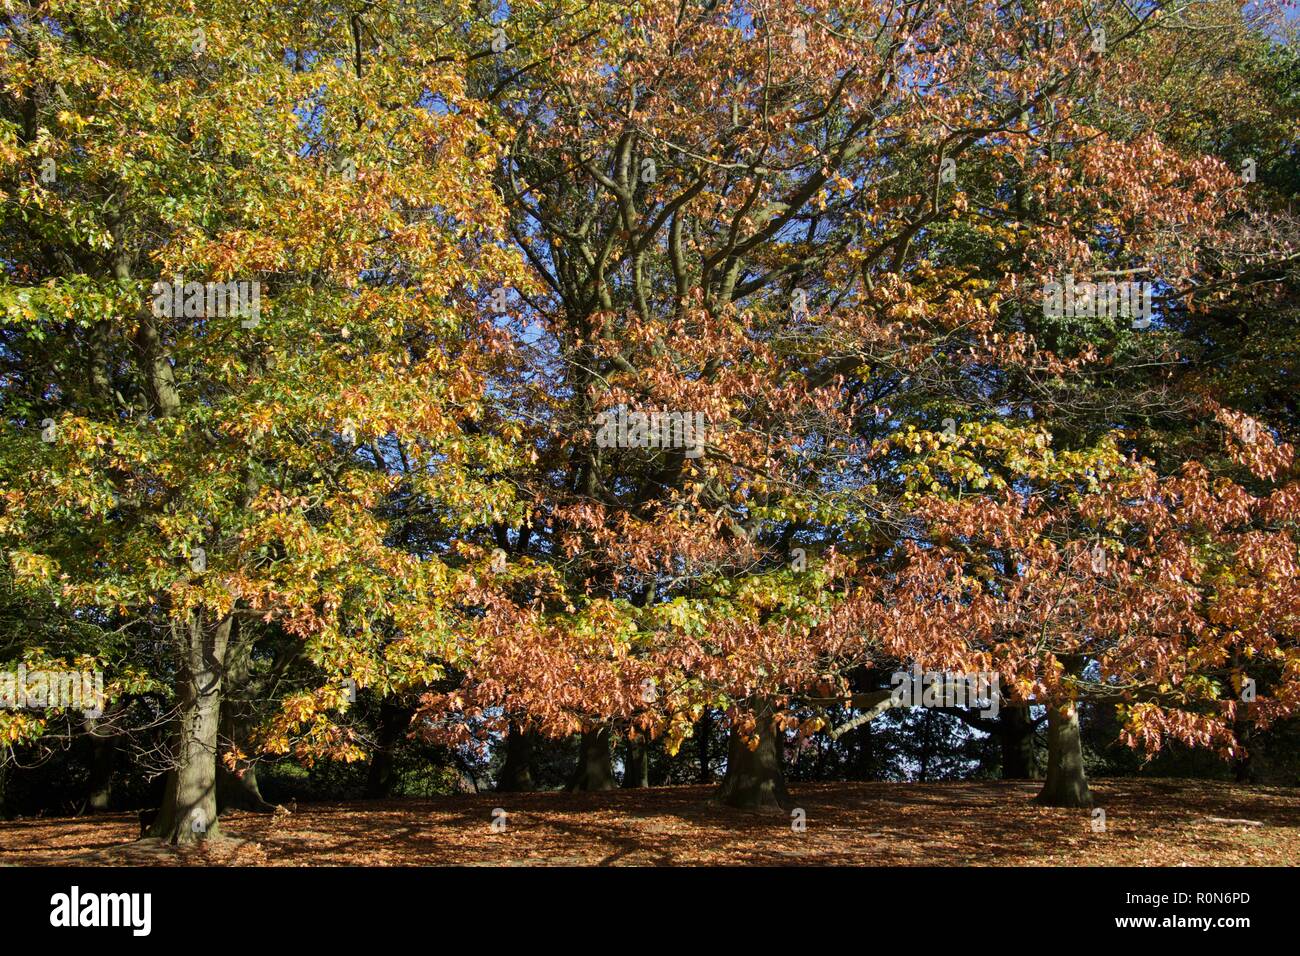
(984, 823)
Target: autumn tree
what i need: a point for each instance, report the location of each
(826, 230)
(219, 474)
(592, 369)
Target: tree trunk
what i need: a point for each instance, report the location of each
(1243, 769)
(595, 770)
(393, 721)
(103, 756)
(240, 791)
(1066, 785)
(189, 807)
(703, 744)
(636, 763)
(237, 791)
(755, 778)
(516, 774)
(1016, 737)
(861, 767)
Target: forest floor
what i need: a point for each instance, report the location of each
(985, 823)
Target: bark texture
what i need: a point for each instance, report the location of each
(595, 770)
(636, 763)
(517, 774)
(755, 778)
(189, 808)
(1066, 785)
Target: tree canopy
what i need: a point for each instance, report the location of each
(554, 369)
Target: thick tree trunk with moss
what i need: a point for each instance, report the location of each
(595, 770)
(189, 809)
(755, 778)
(1066, 785)
(516, 774)
(636, 763)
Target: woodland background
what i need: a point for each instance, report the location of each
(825, 225)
